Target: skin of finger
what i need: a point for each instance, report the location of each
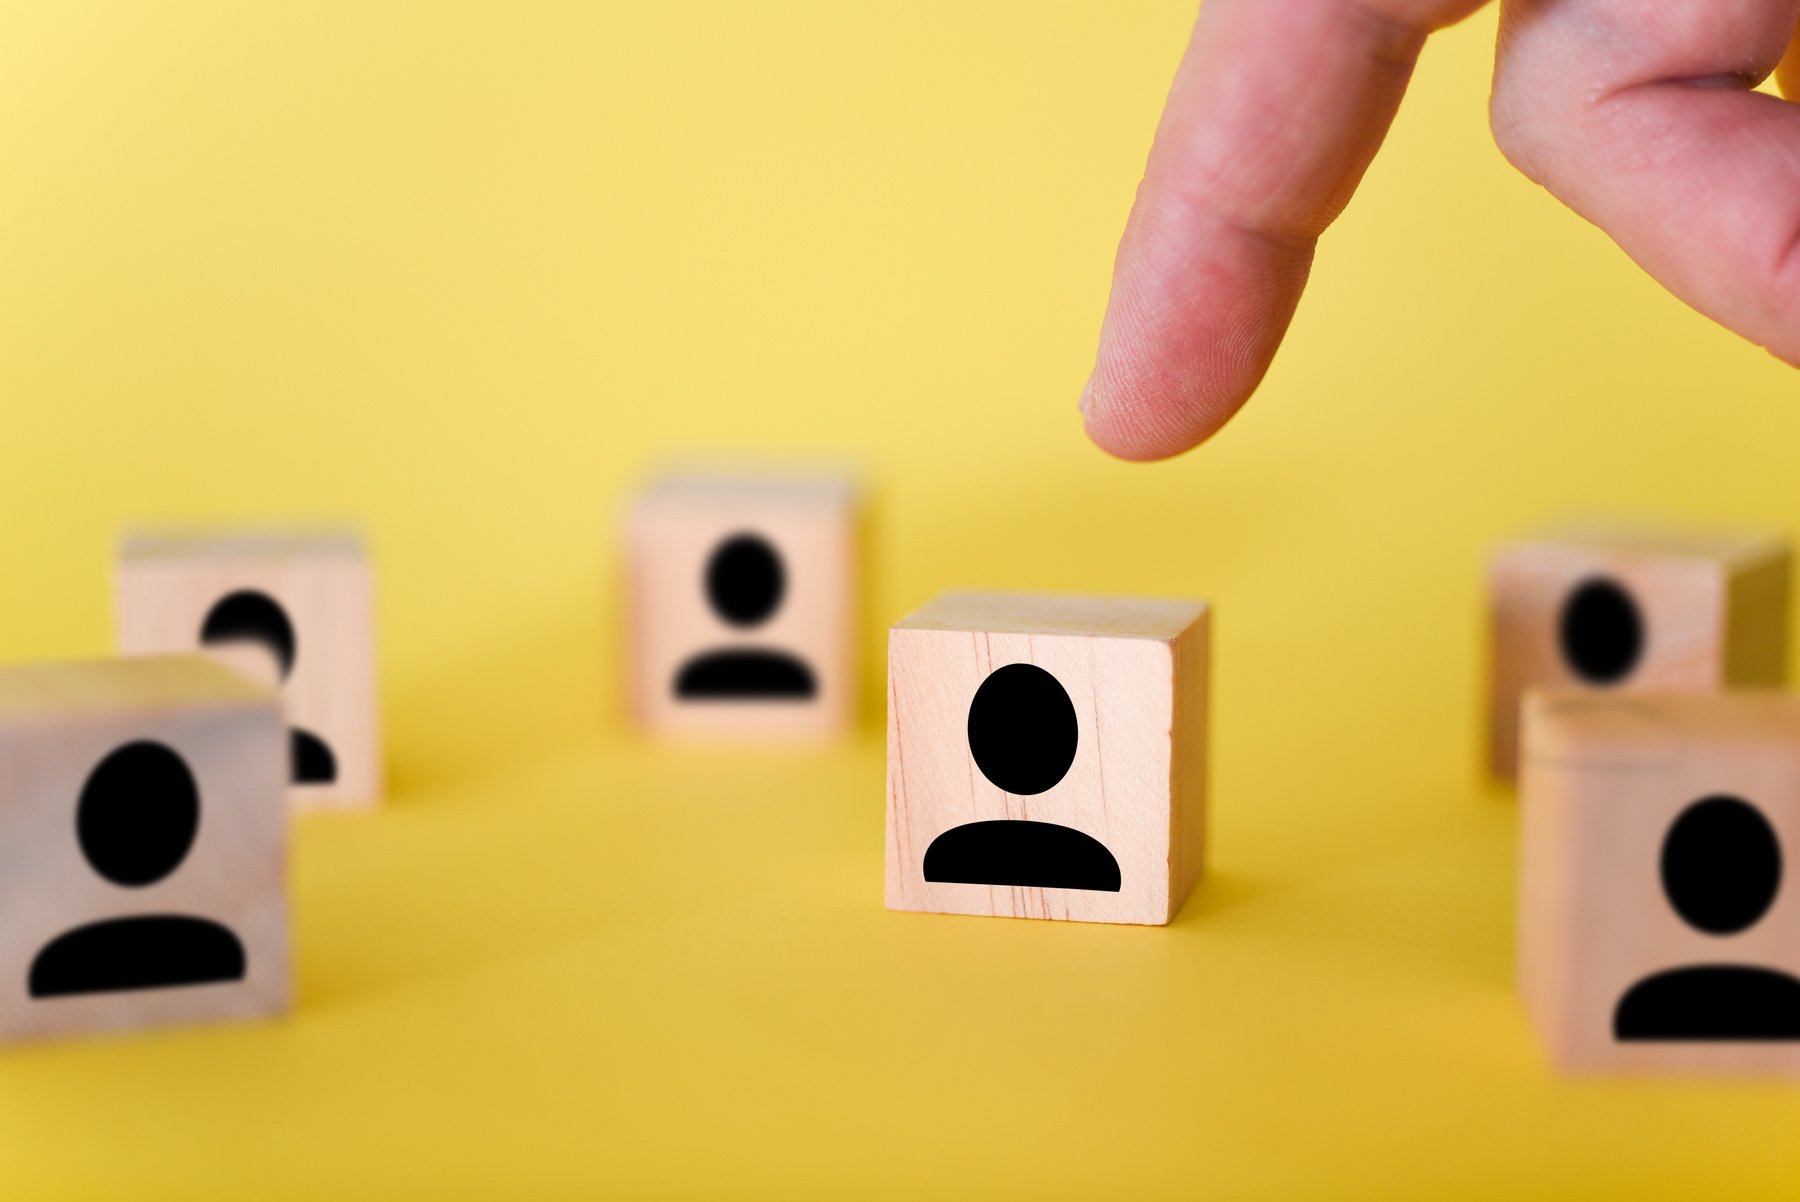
(1183, 343)
(1638, 115)
(1274, 115)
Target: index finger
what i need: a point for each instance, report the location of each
(1276, 110)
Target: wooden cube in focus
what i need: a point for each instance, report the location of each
(1629, 609)
(143, 846)
(1658, 930)
(292, 610)
(1047, 756)
(742, 603)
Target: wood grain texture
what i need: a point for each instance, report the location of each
(813, 523)
(57, 723)
(1136, 673)
(1714, 606)
(1604, 776)
(167, 584)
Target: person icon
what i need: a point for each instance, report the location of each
(745, 581)
(136, 821)
(1023, 735)
(252, 617)
(1601, 632)
(1721, 870)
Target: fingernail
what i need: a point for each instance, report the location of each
(1087, 395)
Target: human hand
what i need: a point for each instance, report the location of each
(1637, 114)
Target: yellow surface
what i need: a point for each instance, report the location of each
(461, 271)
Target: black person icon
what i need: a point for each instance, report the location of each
(1721, 870)
(136, 821)
(1601, 631)
(248, 616)
(745, 581)
(1023, 735)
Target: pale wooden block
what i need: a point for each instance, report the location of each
(743, 592)
(293, 609)
(1655, 828)
(143, 846)
(1589, 605)
(1071, 787)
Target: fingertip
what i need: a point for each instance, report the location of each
(1787, 355)
(1141, 430)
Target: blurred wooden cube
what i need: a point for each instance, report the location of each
(143, 846)
(293, 610)
(1613, 607)
(743, 593)
(1657, 933)
(1047, 756)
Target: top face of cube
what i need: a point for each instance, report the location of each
(293, 610)
(276, 544)
(1722, 548)
(142, 846)
(1158, 619)
(1658, 931)
(706, 490)
(742, 596)
(59, 693)
(1032, 765)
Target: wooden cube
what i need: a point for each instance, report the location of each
(1047, 756)
(294, 610)
(1658, 932)
(742, 604)
(1613, 607)
(143, 846)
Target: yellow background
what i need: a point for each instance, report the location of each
(461, 271)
